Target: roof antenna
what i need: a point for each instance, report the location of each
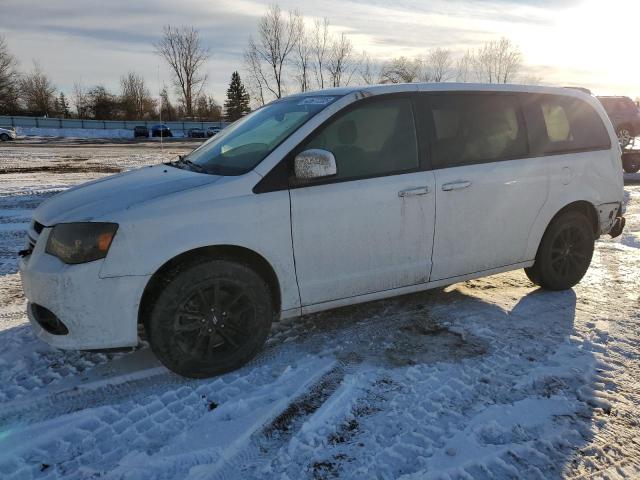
(161, 129)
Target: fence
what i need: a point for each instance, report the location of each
(43, 122)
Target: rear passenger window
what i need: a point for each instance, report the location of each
(568, 124)
(375, 138)
(476, 128)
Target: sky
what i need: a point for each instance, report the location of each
(586, 43)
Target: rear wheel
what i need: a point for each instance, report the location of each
(564, 254)
(210, 317)
(624, 136)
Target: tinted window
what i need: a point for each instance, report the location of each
(609, 104)
(628, 105)
(564, 124)
(618, 104)
(476, 128)
(374, 138)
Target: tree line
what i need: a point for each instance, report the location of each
(33, 93)
(287, 54)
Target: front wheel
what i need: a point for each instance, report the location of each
(210, 317)
(4, 137)
(564, 254)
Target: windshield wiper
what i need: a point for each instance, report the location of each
(192, 165)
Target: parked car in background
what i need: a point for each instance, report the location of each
(625, 116)
(161, 130)
(195, 133)
(321, 200)
(140, 131)
(7, 133)
(211, 131)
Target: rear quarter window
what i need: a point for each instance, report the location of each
(562, 124)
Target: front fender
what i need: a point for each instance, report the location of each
(152, 236)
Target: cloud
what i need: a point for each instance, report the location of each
(97, 41)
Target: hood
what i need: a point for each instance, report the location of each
(96, 199)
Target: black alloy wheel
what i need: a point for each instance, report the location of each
(209, 317)
(216, 317)
(565, 252)
(570, 253)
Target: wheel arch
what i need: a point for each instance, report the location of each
(583, 206)
(588, 209)
(228, 252)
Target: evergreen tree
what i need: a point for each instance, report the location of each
(167, 110)
(237, 103)
(63, 106)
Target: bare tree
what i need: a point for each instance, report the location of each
(9, 79)
(37, 91)
(498, 61)
(183, 51)
(439, 65)
(135, 98)
(401, 70)
(303, 57)
(80, 100)
(207, 108)
(277, 37)
(255, 76)
(464, 67)
(321, 49)
(369, 70)
(341, 64)
(102, 104)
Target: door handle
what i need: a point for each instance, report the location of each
(459, 185)
(412, 192)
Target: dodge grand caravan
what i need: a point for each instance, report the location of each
(321, 200)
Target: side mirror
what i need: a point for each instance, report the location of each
(314, 163)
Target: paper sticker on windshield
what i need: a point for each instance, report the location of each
(316, 101)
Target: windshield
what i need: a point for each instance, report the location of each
(244, 144)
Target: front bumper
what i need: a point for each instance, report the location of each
(98, 312)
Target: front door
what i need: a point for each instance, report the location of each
(369, 228)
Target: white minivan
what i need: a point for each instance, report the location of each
(321, 200)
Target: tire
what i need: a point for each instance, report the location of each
(625, 136)
(209, 317)
(631, 163)
(564, 253)
(4, 137)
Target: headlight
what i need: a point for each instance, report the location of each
(81, 242)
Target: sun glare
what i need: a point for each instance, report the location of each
(593, 40)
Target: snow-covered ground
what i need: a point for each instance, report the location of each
(485, 379)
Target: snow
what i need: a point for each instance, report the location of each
(490, 378)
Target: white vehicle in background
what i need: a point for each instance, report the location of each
(7, 133)
(213, 131)
(322, 200)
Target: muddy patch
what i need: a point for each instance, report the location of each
(429, 342)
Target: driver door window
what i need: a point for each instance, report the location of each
(374, 139)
